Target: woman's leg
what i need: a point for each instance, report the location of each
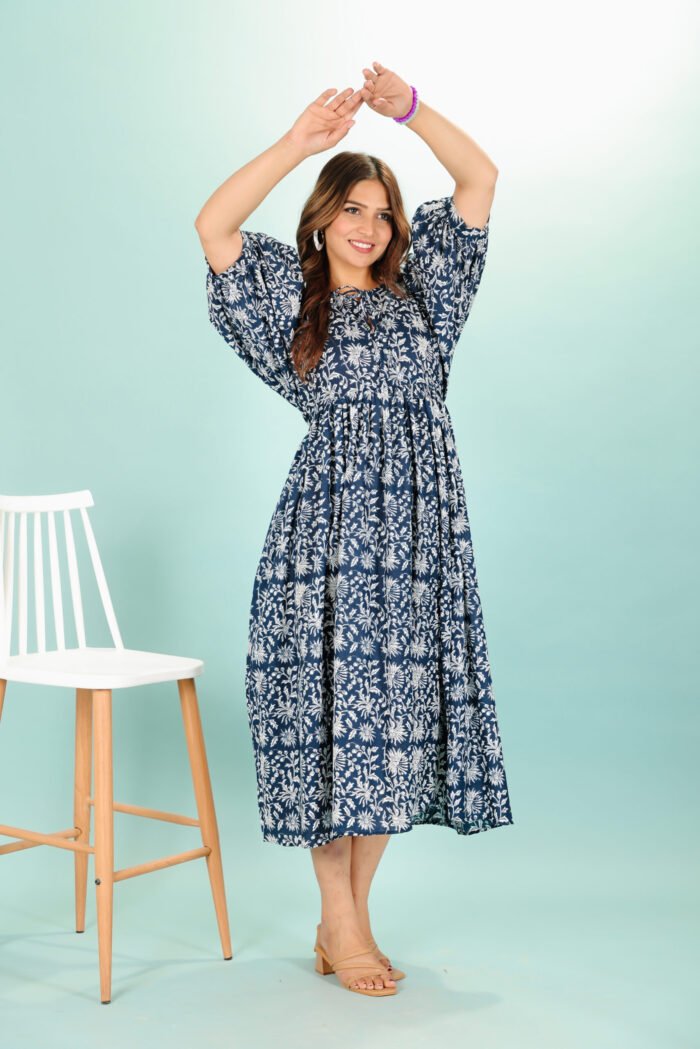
(367, 851)
(341, 933)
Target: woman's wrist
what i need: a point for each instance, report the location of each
(411, 107)
(294, 150)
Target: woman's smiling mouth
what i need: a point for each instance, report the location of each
(362, 245)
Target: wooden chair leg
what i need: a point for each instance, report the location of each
(81, 795)
(104, 834)
(205, 805)
(3, 686)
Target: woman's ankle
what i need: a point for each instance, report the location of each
(333, 925)
(333, 922)
(362, 912)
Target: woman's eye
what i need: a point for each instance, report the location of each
(351, 207)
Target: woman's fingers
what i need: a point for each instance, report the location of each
(333, 103)
(355, 103)
(335, 113)
(375, 99)
(341, 99)
(349, 103)
(346, 107)
(324, 95)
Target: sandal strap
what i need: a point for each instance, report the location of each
(354, 954)
(368, 969)
(340, 963)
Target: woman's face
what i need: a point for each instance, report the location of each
(364, 219)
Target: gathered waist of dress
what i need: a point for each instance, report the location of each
(417, 392)
(419, 396)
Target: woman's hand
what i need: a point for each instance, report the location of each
(326, 120)
(389, 95)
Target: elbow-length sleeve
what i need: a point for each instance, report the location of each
(254, 305)
(444, 268)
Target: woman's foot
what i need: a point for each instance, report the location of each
(381, 958)
(365, 930)
(339, 942)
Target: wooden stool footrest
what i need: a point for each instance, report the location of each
(156, 865)
(153, 814)
(31, 838)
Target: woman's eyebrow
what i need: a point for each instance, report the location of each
(364, 205)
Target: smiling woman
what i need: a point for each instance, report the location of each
(368, 684)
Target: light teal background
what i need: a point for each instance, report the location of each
(573, 396)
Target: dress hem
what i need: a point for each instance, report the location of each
(324, 839)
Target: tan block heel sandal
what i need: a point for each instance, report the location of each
(324, 966)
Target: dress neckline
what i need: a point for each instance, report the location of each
(350, 291)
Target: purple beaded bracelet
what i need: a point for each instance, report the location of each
(412, 111)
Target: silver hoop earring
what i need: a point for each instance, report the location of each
(319, 243)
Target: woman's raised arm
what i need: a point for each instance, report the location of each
(230, 205)
(321, 125)
(472, 169)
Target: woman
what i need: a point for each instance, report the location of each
(368, 683)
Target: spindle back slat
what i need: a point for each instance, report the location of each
(101, 579)
(39, 584)
(56, 583)
(74, 580)
(22, 583)
(8, 572)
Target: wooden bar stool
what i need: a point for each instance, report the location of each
(94, 673)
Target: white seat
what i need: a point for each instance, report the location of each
(98, 667)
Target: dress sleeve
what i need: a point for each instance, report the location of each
(254, 305)
(444, 268)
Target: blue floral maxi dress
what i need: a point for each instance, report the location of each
(368, 682)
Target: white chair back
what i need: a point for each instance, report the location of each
(15, 510)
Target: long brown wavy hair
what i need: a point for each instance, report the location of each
(332, 189)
